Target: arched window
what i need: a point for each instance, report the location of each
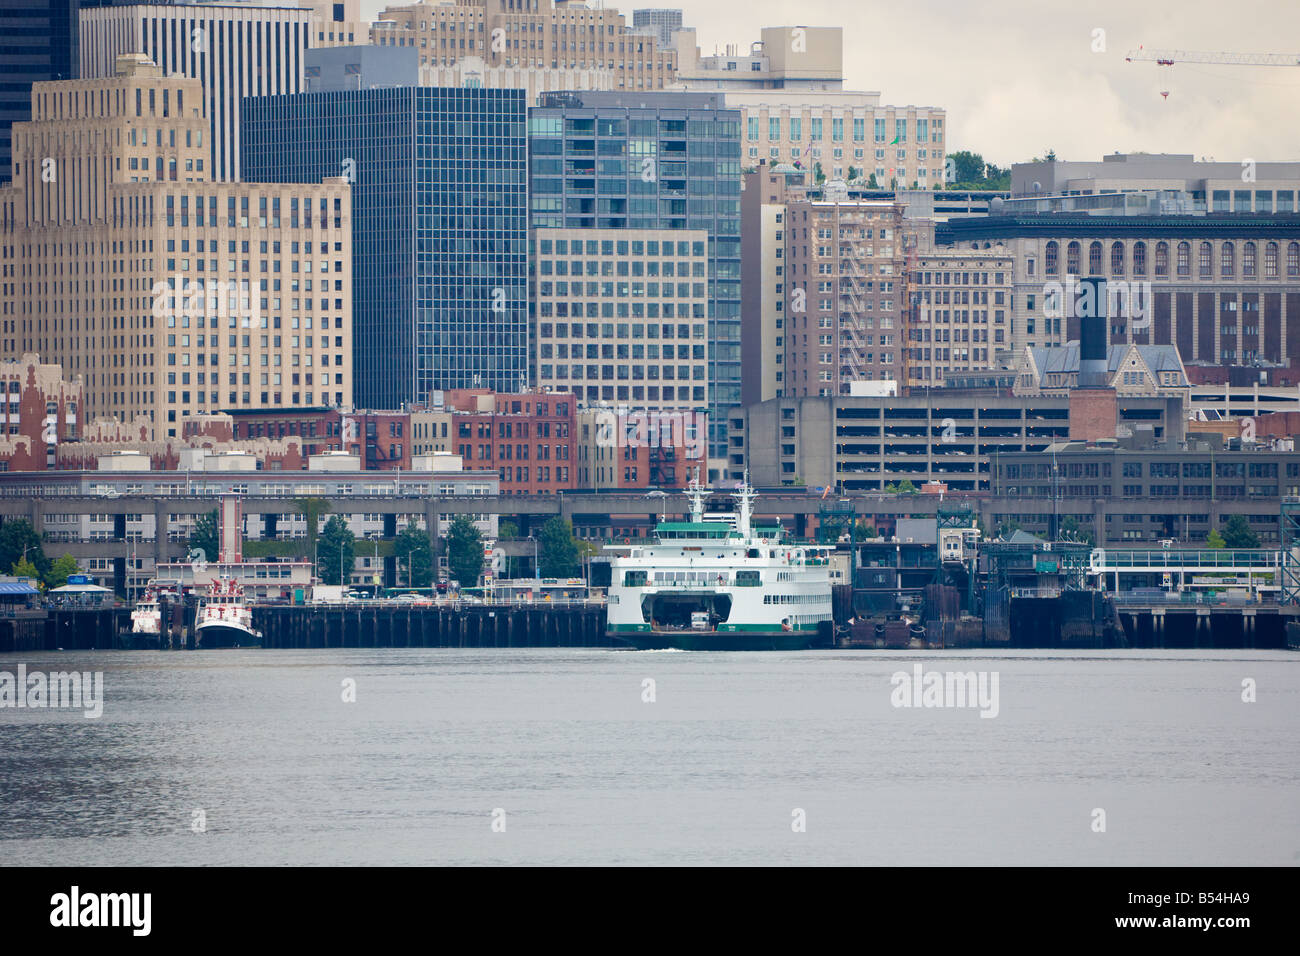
(1248, 261)
(1293, 260)
(1228, 260)
(1270, 261)
(1072, 258)
(1162, 259)
(1117, 258)
(1184, 258)
(1052, 258)
(1094, 258)
(1206, 261)
(1140, 259)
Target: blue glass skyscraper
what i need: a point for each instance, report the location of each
(636, 160)
(439, 212)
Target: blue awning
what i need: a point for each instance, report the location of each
(16, 587)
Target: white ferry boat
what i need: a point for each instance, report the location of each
(714, 585)
(223, 619)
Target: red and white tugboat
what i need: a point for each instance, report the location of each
(223, 619)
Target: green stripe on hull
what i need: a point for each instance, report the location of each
(738, 640)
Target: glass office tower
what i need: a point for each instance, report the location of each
(640, 160)
(439, 212)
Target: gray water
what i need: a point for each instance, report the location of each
(717, 769)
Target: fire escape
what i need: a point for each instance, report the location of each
(853, 284)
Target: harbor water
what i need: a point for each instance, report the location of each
(593, 756)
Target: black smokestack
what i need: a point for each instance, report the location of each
(1090, 307)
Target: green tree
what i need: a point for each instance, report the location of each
(24, 568)
(1237, 533)
(819, 177)
(1070, 530)
(854, 173)
(557, 551)
(905, 487)
(57, 575)
(18, 539)
(204, 537)
(415, 554)
(1007, 528)
(871, 182)
(967, 167)
(507, 529)
(1214, 539)
(464, 552)
(335, 552)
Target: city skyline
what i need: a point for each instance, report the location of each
(938, 53)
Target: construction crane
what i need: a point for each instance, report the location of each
(1170, 57)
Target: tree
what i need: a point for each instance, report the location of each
(507, 529)
(1070, 530)
(1237, 533)
(1049, 156)
(871, 182)
(1214, 539)
(557, 551)
(464, 552)
(24, 568)
(412, 549)
(967, 167)
(819, 177)
(1007, 528)
(204, 537)
(18, 539)
(854, 173)
(57, 575)
(905, 487)
(334, 552)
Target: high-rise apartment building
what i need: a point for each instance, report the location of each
(439, 199)
(959, 314)
(622, 315)
(763, 203)
(234, 50)
(167, 293)
(845, 296)
(531, 33)
(661, 161)
(659, 23)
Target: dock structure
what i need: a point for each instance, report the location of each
(382, 624)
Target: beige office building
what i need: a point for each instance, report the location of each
(621, 315)
(849, 135)
(764, 197)
(960, 314)
(167, 293)
(786, 58)
(539, 34)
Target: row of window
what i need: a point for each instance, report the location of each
(1227, 257)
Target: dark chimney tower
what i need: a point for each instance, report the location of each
(1090, 307)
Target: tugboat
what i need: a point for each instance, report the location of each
(714, 585)
(146, 617)
(223, 619)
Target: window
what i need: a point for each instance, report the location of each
(1248, 261)
(1184, 259)
(1162, 259)
(1140, 258)
(1094, 258)
(1228, 260)
(1072, 258)
(1117, 258)
(1206, 261)
(1270, 261)
(1051, 258)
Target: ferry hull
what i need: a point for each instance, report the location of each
(225, 635)
(717, 640)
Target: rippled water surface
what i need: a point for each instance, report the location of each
(565, 749)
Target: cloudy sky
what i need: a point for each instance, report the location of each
(1020, 76)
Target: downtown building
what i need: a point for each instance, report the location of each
(650, 163)
(1223, 288)
(234, 50)
(439, 193)
(534, 34)
(168, 294)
